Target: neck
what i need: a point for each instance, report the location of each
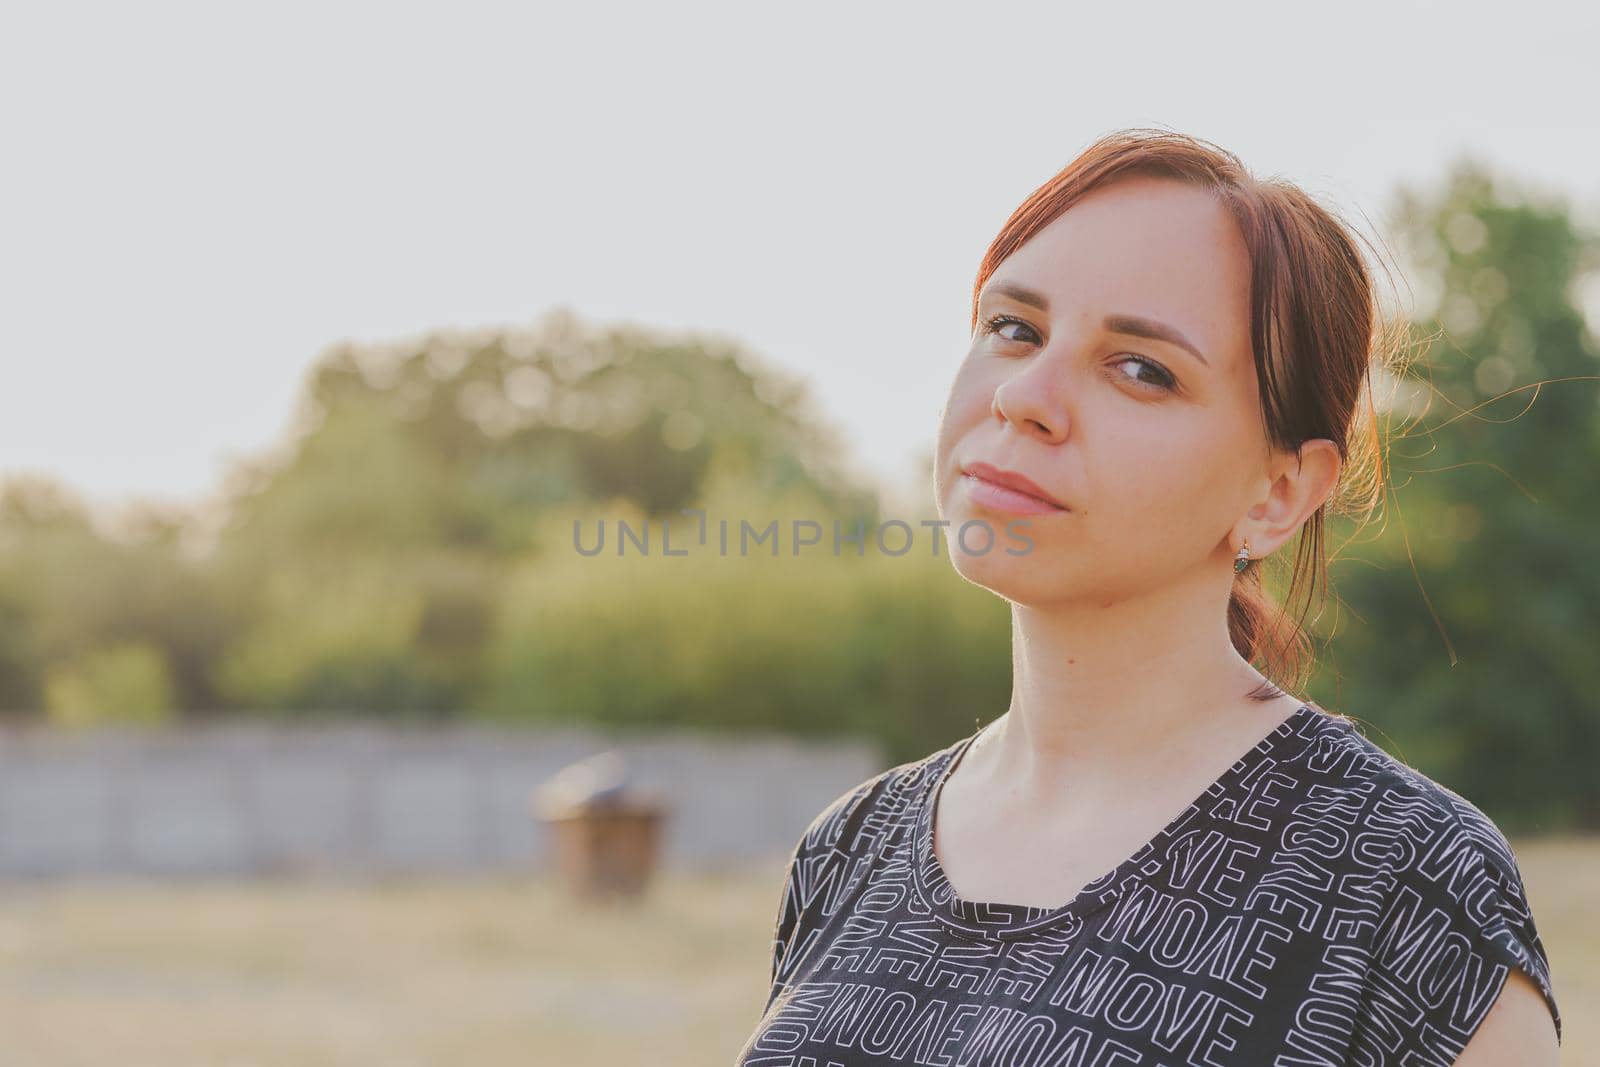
(1107, 693)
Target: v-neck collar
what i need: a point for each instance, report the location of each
(992, 920)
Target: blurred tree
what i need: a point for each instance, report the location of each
(369, 555)
(70, 590)
(1483, 665)
(895, 648)
(464, 438)
(125, 684)
(20, 682)
(327, 642)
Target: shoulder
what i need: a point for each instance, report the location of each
(1431, 838)
(1453, 920)
(839, 845)
(856, 818)
(1409, 823)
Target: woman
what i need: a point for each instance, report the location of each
(1156, 855)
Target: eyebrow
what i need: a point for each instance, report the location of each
(1132, 325)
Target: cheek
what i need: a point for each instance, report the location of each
(1170, 472)
(966, 407)
(969, 402)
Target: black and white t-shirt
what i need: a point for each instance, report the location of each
(1320, 903)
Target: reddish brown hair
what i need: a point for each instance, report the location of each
(1316, 333)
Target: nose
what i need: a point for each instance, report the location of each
(1030, 401)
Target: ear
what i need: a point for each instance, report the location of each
(1299, 484)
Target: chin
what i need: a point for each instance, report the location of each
(1012, 577)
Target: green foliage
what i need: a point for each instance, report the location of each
(465, 439)
(340, 641)
(67, 589)
(895, 648)
(20, 682)
(124, 685)
(1474, 641)
(366, 561)
(396, 637)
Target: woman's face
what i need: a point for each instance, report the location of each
(1080, 377)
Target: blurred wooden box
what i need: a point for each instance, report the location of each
(606, 850)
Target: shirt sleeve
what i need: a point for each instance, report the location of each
(788, 916)
(820, 862)
(1456, 925)
(1502, 919)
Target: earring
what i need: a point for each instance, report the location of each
(1242, 560)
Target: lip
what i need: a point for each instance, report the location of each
(1010, 490)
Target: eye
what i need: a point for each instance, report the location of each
(994, 324)
(1164, 380)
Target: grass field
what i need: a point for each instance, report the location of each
(482, 973)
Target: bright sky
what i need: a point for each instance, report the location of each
(198, 199)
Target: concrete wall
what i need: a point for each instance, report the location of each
(371, 800)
